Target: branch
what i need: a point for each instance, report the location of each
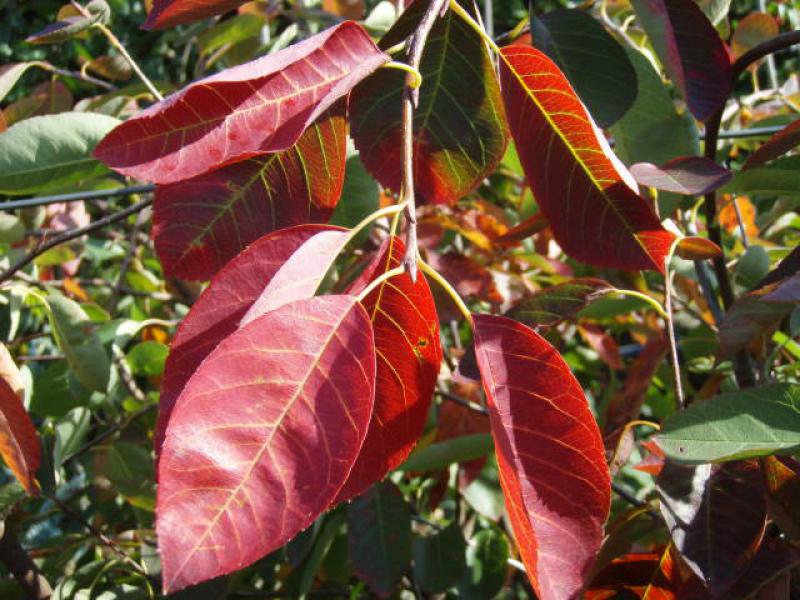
(410, 99)
(75, 196)
(73, 234)
(34, 585)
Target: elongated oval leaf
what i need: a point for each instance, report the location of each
(587, 196)
(19, 443)
(379, 537)
(550, 306)
(596, 65)
(441, 455)
(409, 354)
(51, 151)
(693, 175)
(201, 223)
(220, 308)
(778, 178)
(716, 515)
(549, 452)
(691, 51)
(459, 130)
(169, 13)
(736, 425)
(779, 144)
(236, 483)
(252, 109)
(10, 74)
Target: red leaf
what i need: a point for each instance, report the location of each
(263, 436)
(778, 145)
(697, 248)
(169, 13)
(647, 576)
(252, 109)
(201, 223)
(691, 175)
(691, 51)
(409, 354)
(588, 197)
(549, 453)
(602, 343)
(19, 443)
(220, 308)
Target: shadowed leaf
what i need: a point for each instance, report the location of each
(379, 537)
(201, 223)
(736, 425)
(645, 575)
(778, 178)
(691, 51)
(596, 65)
(217, 312)
(588, 197)
(716, 515)
(779, 144)
(235, 484)
(439, 560)
(169, 13)
(692, 175)
(408, 355)
(459, 130)
(249, 110)
(773, 558)
(550, 306)
(549, 452)
(782, 478)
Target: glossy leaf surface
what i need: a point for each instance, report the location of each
(169, 13)
(459, 130)
(588, 197)
(252, 109)
(408, 355)
(235, 484)
(219, 309)
(593, 61)
(19, 442)
(692, 175)
(549, 452)
(690, 49)
(201, 223)
(741, 424)
(716, 515)
(379, 537)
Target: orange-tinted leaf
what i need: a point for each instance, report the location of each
(19, 443)
(526, 228)
(647, 576)
(348, 9)
(588, 197)
(168, 13)
(252, 109)
(263, 437)
(730, 222)
(549, 453)
(408, 355)
(654, 461)
(692, 175)
(217, 312)
(779, 144)
(754, 29)
(201, 223)
(697, 248)
(716, 515)
(782, 476)
(459, 130)
(691, 51)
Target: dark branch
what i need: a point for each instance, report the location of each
(76, 196)
(34, 585)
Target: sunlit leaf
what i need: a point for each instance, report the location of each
(588, 197)
(408, 355)
(697, 248)
(459, 132)
(249, 110)
(201, 223)
(593, 61)
(10, 74)
(693, 175)
(169, 13)
(235, 484)
(550, 455)
(690, 49)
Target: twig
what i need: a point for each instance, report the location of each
(410, 100)
(673, 347)
(126, 263)
(740, 221)
(74, 234)
(34, 585)
(127, 421)
(76, 196)
(463, 402)
(118, 356)
(78, 75)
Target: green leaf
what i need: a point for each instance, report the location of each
(74, 334)
(12, 229)
(360, 195)
(595, 64)
(442, 454)
(71, 430)
(229, 32)
(129, 468)
(439, 560)
(379, 536)
(52, 394)
(778, 178)
(10, 74)
(51, 152)
(147, 358)
(486, 565)
(736, 425)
